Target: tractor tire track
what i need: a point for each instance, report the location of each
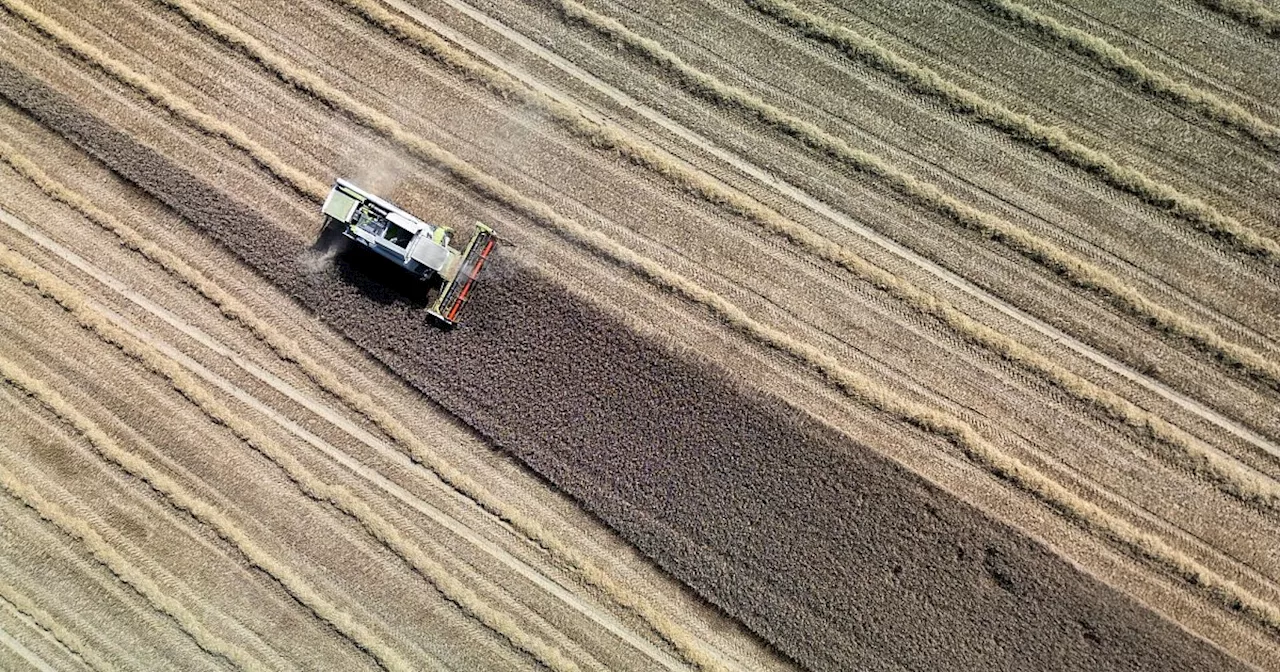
(853, 384)
(210, 215)
(402, 30)
(339, 496)
(239, 494)
(1237, 489)
(1137, 74)
(432, 47)
(499, 287)
(177, 496)
(123, 626)
(223, 385)
(1249, 12)
(303, 184)
(71, 642)
(358, 401)
(1054, 141)
(374, 120)
(1074, 270)
(1089, 218)
(24, 654)
(1243, 416)
(418, 656)
(109, 516)
(1196, 68)
(1197, 550)
(235, 228)
(595, 575)
(396, 456)
(1112, 405)
(178, 586)
(127, 573)
(1165, 140)
(45, 646)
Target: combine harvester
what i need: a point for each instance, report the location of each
(420, 248)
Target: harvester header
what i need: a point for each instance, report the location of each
(420, 248)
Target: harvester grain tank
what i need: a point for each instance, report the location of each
(420, 248)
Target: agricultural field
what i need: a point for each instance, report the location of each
(821, 335)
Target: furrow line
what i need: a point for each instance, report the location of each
(177, 585)
(303, 184)
(1076, 271)
(65, 637)
(688, 645)
(1249, 12)
(340, 497)
(360, 402)
(1179, 445)
(129, 605)
(122, 569)
(1139, 75)
(351, 428)
(11, 643)
(856, 386)
(1176, 446)
(1023, 128)
(181, 500)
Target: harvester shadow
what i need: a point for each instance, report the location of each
(339, 260)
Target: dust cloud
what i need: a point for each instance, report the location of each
(374, 167)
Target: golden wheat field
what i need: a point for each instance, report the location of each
(820, 335)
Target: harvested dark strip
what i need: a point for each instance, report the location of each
(841, 558)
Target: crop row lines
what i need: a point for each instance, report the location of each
(853, 384)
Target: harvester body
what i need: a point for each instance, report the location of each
(418, 247)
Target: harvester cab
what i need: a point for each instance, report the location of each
(419, 248)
